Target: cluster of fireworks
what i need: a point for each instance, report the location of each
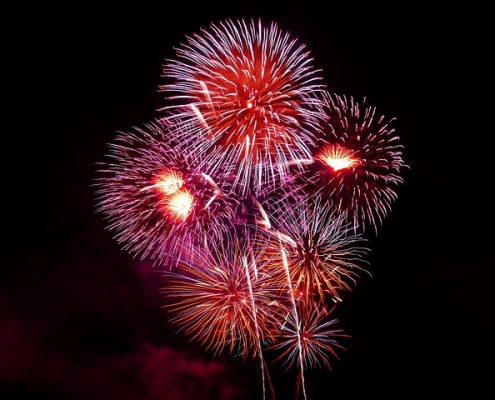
(252, 190)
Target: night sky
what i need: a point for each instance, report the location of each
(81, 319)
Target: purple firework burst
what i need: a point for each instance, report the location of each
(154, 199)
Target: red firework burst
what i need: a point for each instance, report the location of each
(357, 163)
(154, 200)
(251, 96)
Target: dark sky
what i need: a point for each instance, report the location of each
(81, 319)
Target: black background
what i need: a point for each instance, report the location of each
(73, 302)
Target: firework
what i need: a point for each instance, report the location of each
(307, 339)
(223, 298)
(154, 199)
(356, 165)
(321, 252)
(250, 94)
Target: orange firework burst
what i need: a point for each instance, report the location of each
(222, 297)
(251, 96)
(169, 182)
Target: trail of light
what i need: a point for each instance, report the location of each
(296, 319)
(301, 162)
(216, 190)
(265, 221)
(267, 226)
(200, 116)
(208, 97)
(253, 305)
(168, 183)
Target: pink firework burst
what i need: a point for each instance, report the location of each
(356, 165)
(251, 95)
(154, 199)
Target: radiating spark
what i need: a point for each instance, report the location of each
(310, 339)
(220, 303)
(180, 204)
(337, 157)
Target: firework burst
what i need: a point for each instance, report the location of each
(356, 165)
(224, 299)
(153, 198)
(308, 337)
(322, 254)
(251, 95)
